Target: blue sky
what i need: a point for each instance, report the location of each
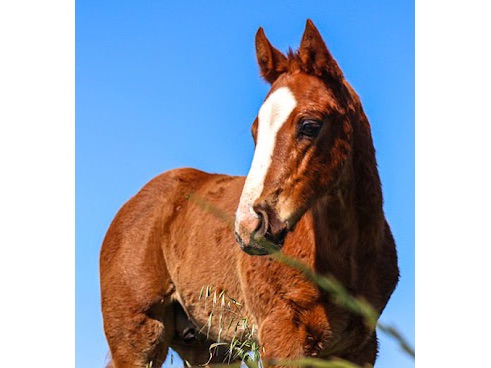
(161, 85)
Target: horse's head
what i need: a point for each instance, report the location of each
(303, 137)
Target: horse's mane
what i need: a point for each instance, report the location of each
(298, 61)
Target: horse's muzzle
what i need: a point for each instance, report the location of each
(260, 232)
(251, 248)
(259, 246)
(262, 240)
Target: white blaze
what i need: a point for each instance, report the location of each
(272, 115)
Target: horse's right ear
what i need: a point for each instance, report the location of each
(271, 62)
(315, 56)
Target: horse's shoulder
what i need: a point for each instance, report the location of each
(154, 202)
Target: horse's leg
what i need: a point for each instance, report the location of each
(282, 339)
(137, 308)
(139, 340)
(279, 341)
(285, 335)
(193, 346)
(198, 353)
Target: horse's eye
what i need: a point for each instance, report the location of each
(310, 128)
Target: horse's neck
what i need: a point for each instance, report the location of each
(345, 223)
(336, 233)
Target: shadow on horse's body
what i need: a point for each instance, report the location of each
(313, 188)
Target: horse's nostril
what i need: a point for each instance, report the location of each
(263, 229)
(278, 238)
(281, 236)
(269, 226)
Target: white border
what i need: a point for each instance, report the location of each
(453, 183)
(37, 186)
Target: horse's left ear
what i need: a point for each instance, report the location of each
(271, 61)
(315, 56)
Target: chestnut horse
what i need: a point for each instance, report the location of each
(313, 189)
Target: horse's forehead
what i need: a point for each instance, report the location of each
(309, 92)
(277, 106)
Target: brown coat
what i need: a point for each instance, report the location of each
(175, 238)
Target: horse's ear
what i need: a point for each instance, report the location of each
(271, 62)
(315, 56)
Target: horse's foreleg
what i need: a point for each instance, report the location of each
(279, 340)
(286, 336)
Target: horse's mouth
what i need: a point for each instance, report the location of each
(261, 246)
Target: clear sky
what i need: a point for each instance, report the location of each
(161, 85)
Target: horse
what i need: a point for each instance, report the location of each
(313, 190)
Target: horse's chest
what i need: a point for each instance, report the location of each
(338, 263)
